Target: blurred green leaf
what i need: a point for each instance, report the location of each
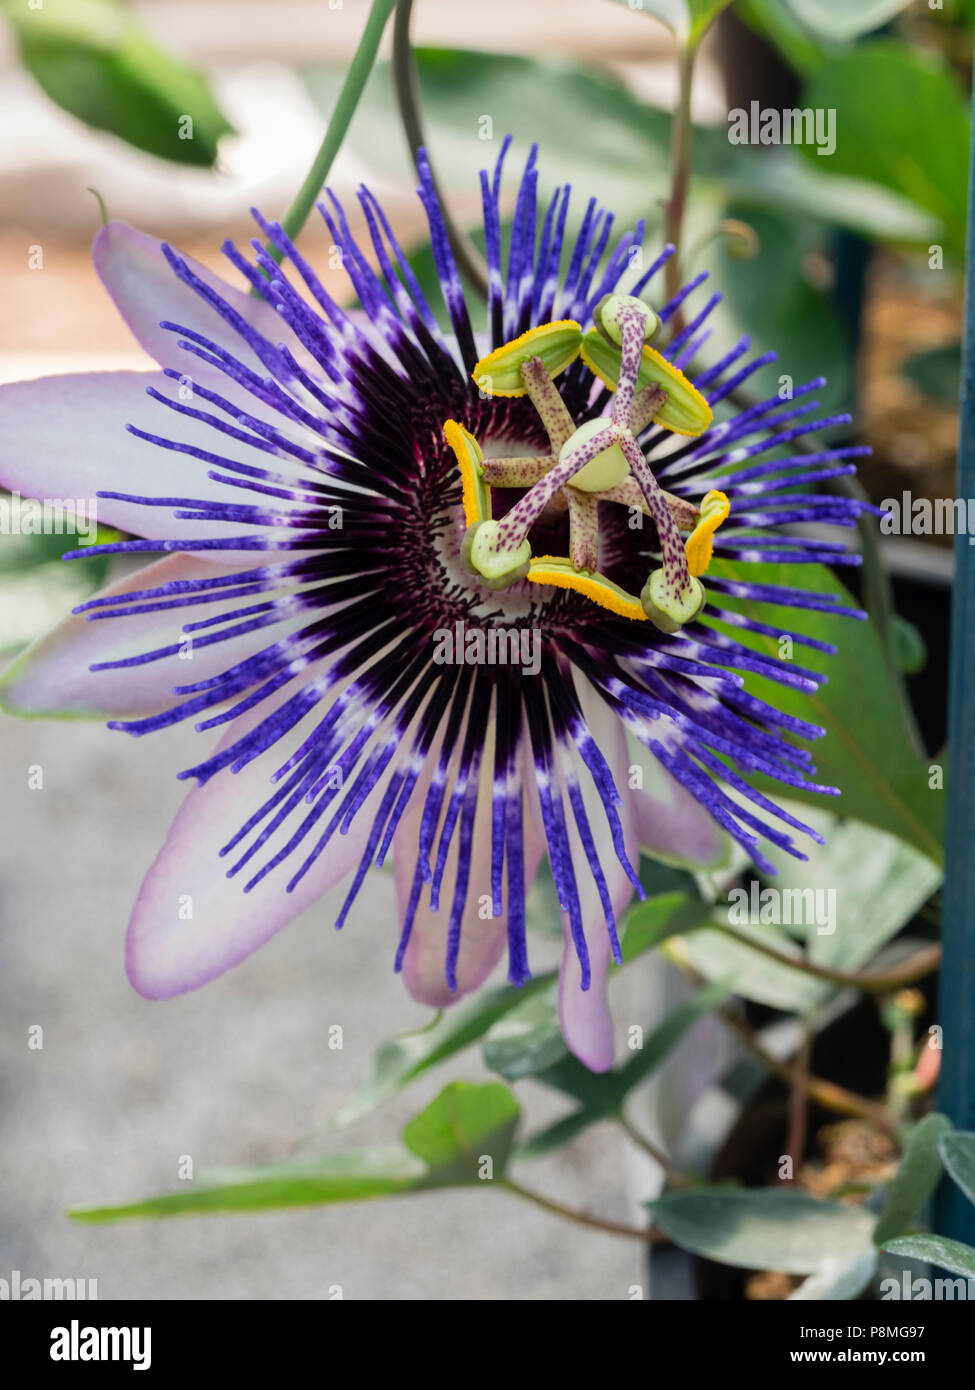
(37, 591)
(703, 13)
(464, 1125)
(648, 924)
(609, 136)
(676, 14)
(445, 1144)
(865, 751)
(936, 372)
(686, 19)
(797, 321)
(915, 1180)
(770, 1228)
(93, 59)
(838, 1280)
(776, 22)
(346, 1177)
(751, 974)
(936, 1250)
(879, 881)
(838, 19)
(780, 179)
(526, 1040)
(958, 1154)
(902, 121)
(602, 1096)
(401, 1060)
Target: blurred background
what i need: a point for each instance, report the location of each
(829, 260)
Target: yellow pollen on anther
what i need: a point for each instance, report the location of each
(699, 547)
(682, 392)
(476, 493)
(556, 344)
(560, 573)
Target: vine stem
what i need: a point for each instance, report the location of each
(924, 962)
(406, 88)
(681, 146)
(582, 1218)
(673, 1175)
(348, 99)
(824, 1093)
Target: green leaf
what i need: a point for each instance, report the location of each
(526, 1040)
(464, 1125)
(936, 1250)
(41, 595)
(703, 15)
(838, 19)
(770, 1228)
(650, 923)
(401, 1060)
(94, 60)
(915, 1180)
(446, 1144)
(838, 1280)
(346, 1177)
(879, 882)
(686, 19)
(902, 121)
(603, 1096)
(783, 181)
(958, 1154)
(799, 322)
(865, 752)
(751, 974)
(776, 22)
(676, 14)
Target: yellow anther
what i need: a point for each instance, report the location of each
(698, 547)
(561, 574)
(556, 344)
(477, 494)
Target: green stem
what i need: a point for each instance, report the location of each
(681, 144)
(922, 963)
(406, 88)
(581, 1218)
(673, 1175)
(348, 99)
(825, 1093)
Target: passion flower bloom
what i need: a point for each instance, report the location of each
(443, 596)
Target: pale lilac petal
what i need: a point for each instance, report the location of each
(65, 437)
(483, 938)
(53, 678)
(672, 825)
(587, 1024)
(169, 952)
(146, 292)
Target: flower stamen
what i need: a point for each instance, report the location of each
(699, 545)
